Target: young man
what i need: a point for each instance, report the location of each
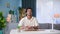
(28, 22)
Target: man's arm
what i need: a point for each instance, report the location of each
(36, 25)
(21, 24)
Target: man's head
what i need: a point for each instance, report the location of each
(29, 11)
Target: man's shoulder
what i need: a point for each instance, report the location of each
(33, 17)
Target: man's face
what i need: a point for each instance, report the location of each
(29, 12)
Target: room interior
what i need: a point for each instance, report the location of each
(47, 13)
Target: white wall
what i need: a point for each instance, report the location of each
(57, 9)
(45, 10)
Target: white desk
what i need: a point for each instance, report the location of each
(45, 31)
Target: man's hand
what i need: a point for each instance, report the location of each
(29, 28)
(25, 27)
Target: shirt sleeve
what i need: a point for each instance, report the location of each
(21, 22)
(36, 22)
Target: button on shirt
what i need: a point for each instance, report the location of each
(28, 22)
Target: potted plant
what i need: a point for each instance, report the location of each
(11, 12)
(22, 12)
(2, 22)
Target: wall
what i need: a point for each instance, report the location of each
(56, 9)
(30, 4)
(45, 9)
(13, 5)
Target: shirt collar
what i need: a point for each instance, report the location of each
(30, 19)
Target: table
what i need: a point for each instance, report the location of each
(41, 31)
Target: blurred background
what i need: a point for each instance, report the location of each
(46, 12)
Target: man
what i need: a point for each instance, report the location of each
(29, 22)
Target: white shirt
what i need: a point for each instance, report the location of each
(26, 22)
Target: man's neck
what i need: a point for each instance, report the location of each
(29, 17)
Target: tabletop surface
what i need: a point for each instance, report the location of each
(42, 31)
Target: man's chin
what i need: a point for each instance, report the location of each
(29, 15)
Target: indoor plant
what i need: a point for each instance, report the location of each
(22, 12)
(2, 22)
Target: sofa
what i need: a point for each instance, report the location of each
(49, 26)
